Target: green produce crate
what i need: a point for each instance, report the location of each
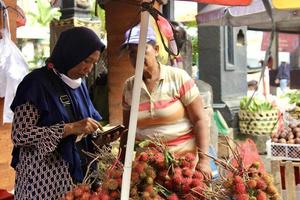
(258, 123)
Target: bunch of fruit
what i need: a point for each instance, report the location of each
(288, 135)
(295, 113)
(255, 105)
(158, 175)
(252, 185)
(175, 178)
(83, 192)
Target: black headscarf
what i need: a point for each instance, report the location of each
(73, 46)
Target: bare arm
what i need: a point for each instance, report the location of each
(199, 119)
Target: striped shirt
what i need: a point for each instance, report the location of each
(162, 113)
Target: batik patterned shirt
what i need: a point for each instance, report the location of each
(41, 173)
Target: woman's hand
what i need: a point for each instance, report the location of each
(83, 127)
(276, 81)
(204, 167)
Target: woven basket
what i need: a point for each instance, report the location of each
(258, 123)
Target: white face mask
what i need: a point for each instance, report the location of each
(72, 83)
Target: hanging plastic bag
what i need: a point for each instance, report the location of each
(13, 68)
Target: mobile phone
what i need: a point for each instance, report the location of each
(109, 135)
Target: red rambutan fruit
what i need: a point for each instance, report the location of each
(196, 182)
(149, 188)
(267, 178)
(187, 172)
(94, 197)
(77, 192)
(177, 171)
(271, 189)
(134, 177)
(261, 184)
(138, 167)
(177, 179)
(251, 183)
(112, 184)
(261, 195)
(240, 188)
(238, 179)
(116, 174)
(185, 163)
(190, 157)
(186, 188)
(242, 197)
(85, 196)
(150, 172)
(104, 196)
(143, 156)
(187, 181)
(198, 175)
(173, 197)
(115, 195)
(146, 195)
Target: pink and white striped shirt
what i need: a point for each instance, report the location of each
(162, 113)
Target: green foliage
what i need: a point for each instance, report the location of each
(195, 54)
(45, 13)
(255, 105)
(99, 13)
(194, 40)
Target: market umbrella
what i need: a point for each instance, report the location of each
(137, 90)
(286, 4)
(254, 16)
(224, 2)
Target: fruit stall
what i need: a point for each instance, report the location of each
(278, 119)
(159, 174)
(283, 148)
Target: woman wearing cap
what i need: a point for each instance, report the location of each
(44, 129)
(170, 105)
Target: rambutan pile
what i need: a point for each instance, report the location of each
(83, 192)
(252, 184)
(157, 174)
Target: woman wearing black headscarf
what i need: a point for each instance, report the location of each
(51, 108)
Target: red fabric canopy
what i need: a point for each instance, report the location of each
(224, 2)
(287, 42)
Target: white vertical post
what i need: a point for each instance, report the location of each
(125, 191)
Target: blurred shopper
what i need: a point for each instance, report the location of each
(283, 76)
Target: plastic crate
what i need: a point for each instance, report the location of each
(278, 151)
(286, 178)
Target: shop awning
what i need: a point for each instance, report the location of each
(254, 16)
